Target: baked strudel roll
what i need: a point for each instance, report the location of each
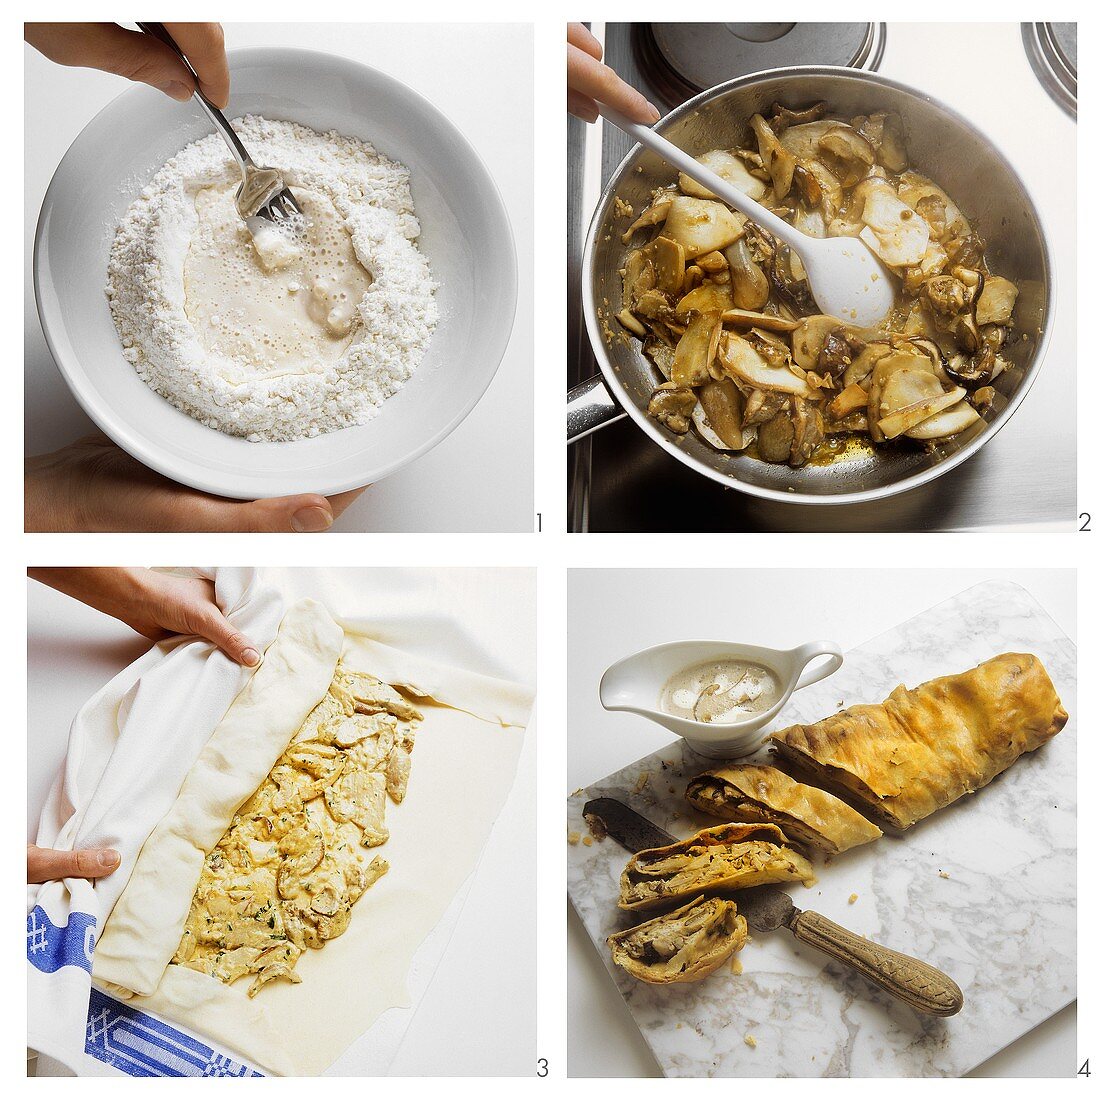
(920, 750)
(683, 946)
(728, 857)
(808, 816)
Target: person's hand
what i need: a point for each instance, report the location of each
(139, 56)
(93, 485)
(44, 864)
(156, 605)
(590, 81)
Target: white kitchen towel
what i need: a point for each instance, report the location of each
(117, 783)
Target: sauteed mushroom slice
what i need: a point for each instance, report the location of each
(787, 283)
(637, 277)
(932, 351)
(713, 264)
(716, 412)
(627, 319)
(966, 251)
(722, 404)
(983, 398)
(749, 285)
(850, 153)
(660, 353)
(781, 118)
(778, 161)
(668, 264)
(974, 371)
(809, 337)
(700, 225)
(947, 296)
(946, 424)
(906, 419)
(897, 234)
(653, 215)
(996, 302)
(771, 347)
(840, 347)
(807, 431)
(965, 332)
(863, 365)
(812, 223)
(707, 298)
(943, 216)
(852, 398)
(811, 192)
(728, 167)
(741, 360)
(672, 406)
(910, 394)
(763, 405)
(696, 350)
(906, 361)
(748, 318)
(802, 141)
(775, 437)
(884, 132)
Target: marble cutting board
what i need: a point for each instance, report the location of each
(984, 889)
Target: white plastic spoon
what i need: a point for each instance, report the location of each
(847, 279)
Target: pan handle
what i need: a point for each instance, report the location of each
(590, 407)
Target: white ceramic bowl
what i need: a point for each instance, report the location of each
(466, 236)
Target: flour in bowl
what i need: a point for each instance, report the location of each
(279, 337)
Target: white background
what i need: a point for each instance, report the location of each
(73, 651)
(480, 478)
(621, 1050)
(614, 613)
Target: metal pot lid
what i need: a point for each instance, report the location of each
(692, 57)
(1052, 50)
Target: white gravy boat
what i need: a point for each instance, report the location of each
(635, 684)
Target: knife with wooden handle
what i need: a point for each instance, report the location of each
(925, 988)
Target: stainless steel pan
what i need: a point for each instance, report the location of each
(948, 149)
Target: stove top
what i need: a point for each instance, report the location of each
(682, 59)
(618, 480)
(1052, 50)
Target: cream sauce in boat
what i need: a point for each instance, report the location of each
(723, 691)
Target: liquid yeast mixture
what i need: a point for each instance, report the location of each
(282, 300)
(268, 335)
(722, 691)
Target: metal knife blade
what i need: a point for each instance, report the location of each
(765, 907)
(630, 829)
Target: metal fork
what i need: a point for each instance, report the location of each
(263, 193)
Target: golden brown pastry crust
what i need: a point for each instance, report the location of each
(920, 750)
(759, 792)
(727, 857)
(683, 946)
